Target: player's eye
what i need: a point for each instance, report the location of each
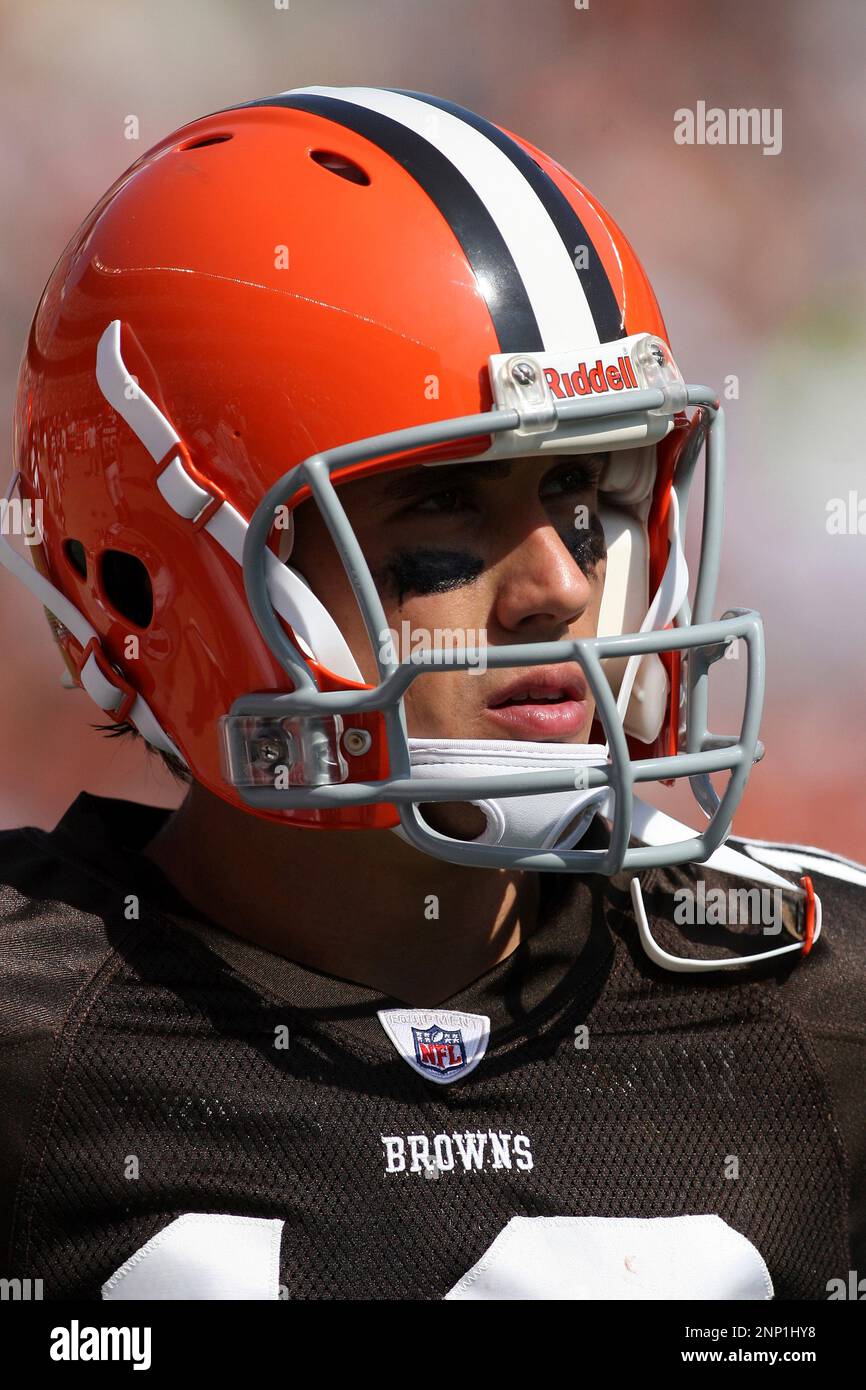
(574, 477)
(448, 501)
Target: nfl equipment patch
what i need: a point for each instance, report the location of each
(440, 1044)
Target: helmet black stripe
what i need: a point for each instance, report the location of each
(594, 280)
(497, 276)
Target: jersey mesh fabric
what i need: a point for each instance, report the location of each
(168, 1062)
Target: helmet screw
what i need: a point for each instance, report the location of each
(356, 741)
(268, 750)
(523, 373)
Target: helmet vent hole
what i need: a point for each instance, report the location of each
(205, 140)
(76, 557)
(340, 165)
(126, 585)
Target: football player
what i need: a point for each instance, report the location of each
(362, 460)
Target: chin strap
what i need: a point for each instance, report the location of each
(655, 828)
(541, 821)
(558, 820)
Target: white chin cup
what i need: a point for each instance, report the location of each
(545, 820)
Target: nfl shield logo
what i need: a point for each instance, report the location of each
(439, 1049)
(442, 1045)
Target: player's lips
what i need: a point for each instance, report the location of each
(541, 703)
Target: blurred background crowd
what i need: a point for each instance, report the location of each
(758, 262)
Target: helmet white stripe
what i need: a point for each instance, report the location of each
(548, 273)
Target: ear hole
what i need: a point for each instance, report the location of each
(126, 585)
(205, 140)
(76, 557)
(340, 165)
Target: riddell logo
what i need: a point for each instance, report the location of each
(587, 381)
